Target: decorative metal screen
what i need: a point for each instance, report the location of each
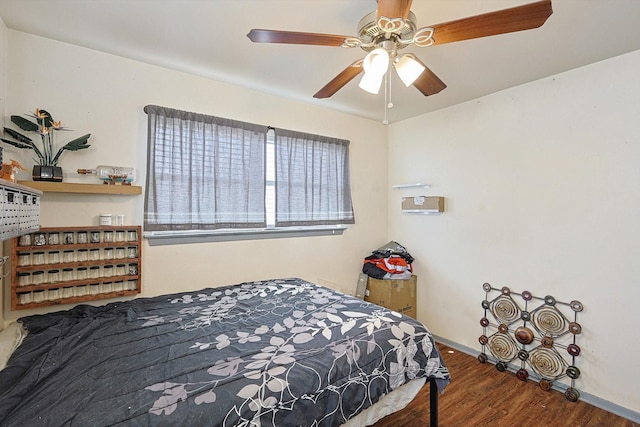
(538, 333)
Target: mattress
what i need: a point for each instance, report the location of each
(282, 352)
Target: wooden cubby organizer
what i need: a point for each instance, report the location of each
(58, 265)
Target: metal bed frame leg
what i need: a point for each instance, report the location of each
(433, 403)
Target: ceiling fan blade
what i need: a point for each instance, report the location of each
(518, 18)
(340, 80)
(295, 37)
(428, 83)
(393, 9)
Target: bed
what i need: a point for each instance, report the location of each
(278, 353)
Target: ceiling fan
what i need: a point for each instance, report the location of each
(392, 27)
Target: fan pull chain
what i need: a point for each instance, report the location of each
(387, 98)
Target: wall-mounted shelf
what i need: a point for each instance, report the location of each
(68, 265)
(423, 205)
(68, 187)
(415, 185)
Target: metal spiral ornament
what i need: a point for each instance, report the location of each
(572, 394)
(503, 347)
(523, 335)
(547, 363)
(530, 332)
(549, 321)
(505, 309)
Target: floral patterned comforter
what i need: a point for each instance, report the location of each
(271, 353)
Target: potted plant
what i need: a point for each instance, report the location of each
(47, 168)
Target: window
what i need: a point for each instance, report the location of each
(312, 180)
(215, 175)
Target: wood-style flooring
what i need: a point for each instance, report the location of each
(480, 395)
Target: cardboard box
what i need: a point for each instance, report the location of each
(397, 295)
(423, 204)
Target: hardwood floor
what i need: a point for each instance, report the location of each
(480, 395)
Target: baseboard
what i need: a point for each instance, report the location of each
(585, 397)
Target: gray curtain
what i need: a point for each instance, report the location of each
(312, 180)
(203, 172)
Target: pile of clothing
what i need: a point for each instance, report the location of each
(391, 261)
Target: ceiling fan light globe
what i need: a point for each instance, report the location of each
(371, 82)
(408, 69)
(376, 62)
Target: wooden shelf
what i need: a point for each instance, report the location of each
(75, 300)
(69, 187)
(58, 251)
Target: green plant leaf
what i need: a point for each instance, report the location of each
(15, 144)
(78, 143)
(75, 145)
(25, 124)
(17, 135)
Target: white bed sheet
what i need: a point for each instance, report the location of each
(10, 338)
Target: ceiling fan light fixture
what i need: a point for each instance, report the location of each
(408, 69)
(376, 62)
(371, 82)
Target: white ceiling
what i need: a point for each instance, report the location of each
(208, 38)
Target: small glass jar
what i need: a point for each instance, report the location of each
(53, 239)
(82, 237)
(81, 273)
(68, 256)
(120, 236)
(94, 289)
(133, 269)
(37, 258)
(54, 276)
(132, 252)
(54, 294)
(67, 292)
(83, 255)
(121, 269)
(25, 240)
(67, 274)
(94, 272)
(107, 271)
(107, 253)
(26, 298)
(131, 285)
(80, 291)
(39, 296)
(132, 235)
(95, 237)
(39, 239)
(69, 238)
(37, 278)
(24, 258)
(53, 257)
(24, 278)
(107, 236)
(94, 254)
(120, 253)
(107, 287)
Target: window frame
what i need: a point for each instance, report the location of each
(271, 231)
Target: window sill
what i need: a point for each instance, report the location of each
(156, 238)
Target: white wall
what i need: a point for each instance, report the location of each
(104, 95)
(542, 185)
